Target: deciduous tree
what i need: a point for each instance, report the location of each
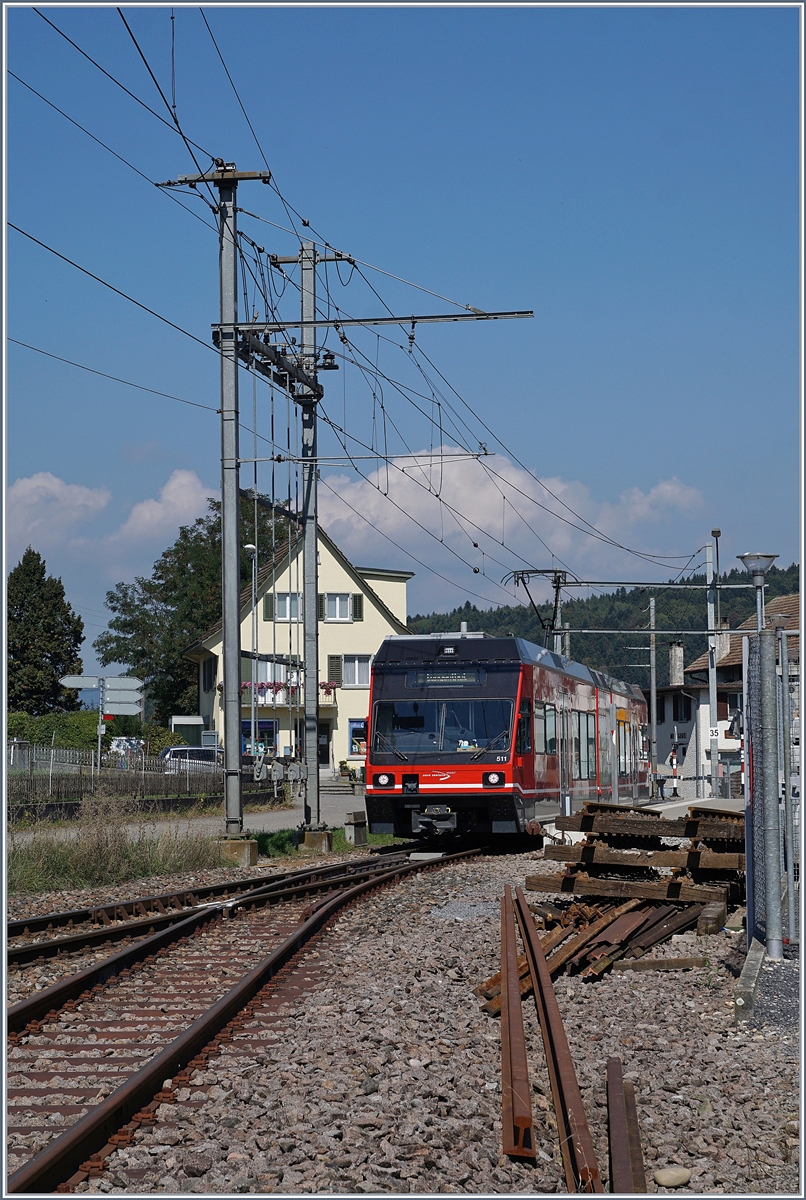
(157, 618)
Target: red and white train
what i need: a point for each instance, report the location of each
(475, 734)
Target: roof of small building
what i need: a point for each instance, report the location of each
(781, 606)
(283, 552)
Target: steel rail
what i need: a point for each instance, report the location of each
(180, 899)
(91, 1133)
(627, 1173)
(274, 890)
(576, 1145)
(517, 1125)
(58, 994)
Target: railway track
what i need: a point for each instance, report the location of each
(92, 1057)
(31, 938)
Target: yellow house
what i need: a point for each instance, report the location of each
(358, 607)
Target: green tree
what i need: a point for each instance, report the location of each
(156, 619)
(44, 639)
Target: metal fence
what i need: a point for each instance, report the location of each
(754, 794)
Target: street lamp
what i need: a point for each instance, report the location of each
(758, 565)
(252, 550)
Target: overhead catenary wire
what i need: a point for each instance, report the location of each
(386, 457)
(408, 553)
(166, 102)
(103, 71)
(125, 161)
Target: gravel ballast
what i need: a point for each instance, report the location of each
(385, 1077)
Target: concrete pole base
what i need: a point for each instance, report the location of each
(241, 852)
(317, 841)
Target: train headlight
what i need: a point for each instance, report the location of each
(383, 780)
(493, 779)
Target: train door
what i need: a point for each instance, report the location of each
(564, 755)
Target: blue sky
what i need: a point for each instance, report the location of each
(631, 175)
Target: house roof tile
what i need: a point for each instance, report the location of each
(781, 606)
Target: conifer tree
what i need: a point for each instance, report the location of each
(44, 639)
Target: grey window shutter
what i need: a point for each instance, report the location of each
(334, 674)
(358, 606)
(268, 606)
(321, 600)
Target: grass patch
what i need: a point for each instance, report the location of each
(282, 843)
(102, 848)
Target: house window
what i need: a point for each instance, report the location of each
(355, 671)
(287, 606)
(661, 709)
(337, 606)
(358, 737)
(208, 674)
(681, 708)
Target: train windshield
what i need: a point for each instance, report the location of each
(422, 728)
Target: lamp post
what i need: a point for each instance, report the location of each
(758, 565)
(252, 550)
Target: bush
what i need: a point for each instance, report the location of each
(79, 730)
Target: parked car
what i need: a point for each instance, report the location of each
(191, 758)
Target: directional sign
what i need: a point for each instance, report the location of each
(79, 681)
(122, 696)
(122, 708)
(122, 683)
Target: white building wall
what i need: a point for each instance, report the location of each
(360, 638)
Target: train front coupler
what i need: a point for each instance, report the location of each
(436, 819)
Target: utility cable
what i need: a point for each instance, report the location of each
(272, 183)
(117, 291)
(408, 553)
(167, 105)
(142, 103)
(125, 161)
(115, 378)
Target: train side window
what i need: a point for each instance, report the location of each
(523, 736)
(540, 728)
(576, 746)
(551, 730)
(591, 745)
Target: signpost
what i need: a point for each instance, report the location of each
(120, 696)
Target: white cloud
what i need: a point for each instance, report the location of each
(181, 500)
(42, 508)
(530, 521)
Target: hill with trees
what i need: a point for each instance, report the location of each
(627, 609)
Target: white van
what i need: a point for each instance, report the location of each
(193, 759)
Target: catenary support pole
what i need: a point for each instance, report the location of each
(713, 722)
(310, 545)
(230, 504)
(653, 704)
(769, 750)
(786, 718)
